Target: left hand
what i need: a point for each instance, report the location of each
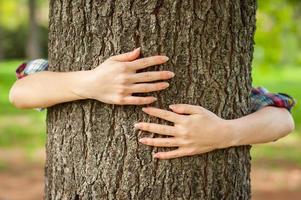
(198, 132)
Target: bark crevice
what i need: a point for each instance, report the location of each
(92, 148)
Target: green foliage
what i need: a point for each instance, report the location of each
(14, 27)
(278, 36)
(278, 33)
(11, 13)
(18, 128)
(15, 41)
(14, 13)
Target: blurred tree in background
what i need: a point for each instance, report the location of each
(278, 37)
(23, 29)
(33, 48)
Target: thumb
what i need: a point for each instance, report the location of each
(129, 56)
(186, 109)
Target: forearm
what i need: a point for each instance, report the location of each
(44, 89)
(265, 125)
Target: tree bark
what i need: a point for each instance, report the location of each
(92, 149)
(33, 49)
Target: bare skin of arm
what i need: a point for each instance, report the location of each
(197, 130)
(113, 82)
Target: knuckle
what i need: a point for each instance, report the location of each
(158, 86)
(151, 142)
(185, 134)
(147, 76)
(139, 101)
(147, 88)
(121, 91)
(185, 121)
(146, 126)
(185, 142)
(151, 88)
(191, 151)
(123, 67)
(120, 99)
(175, 155)
(144, 62)
(162, 129)
(163, 156)
(163, 75)
(123, 79)
(144, 88)
(165, 115)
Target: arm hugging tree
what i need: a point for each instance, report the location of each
(92, 148)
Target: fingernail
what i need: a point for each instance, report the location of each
(165, 58)
(165, 85)
(172, 106)
(144, 109)
(137, 49)
(136, 125)
(141, 140)
(155, 99)
(172, 74)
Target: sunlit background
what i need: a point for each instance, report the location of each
(276, 170)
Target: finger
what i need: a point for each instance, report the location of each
(157, 128)
(129, 56)
(132, 100)
(170, 154)
(160, 142)
(186, 109)
(151, 76)
(147, 62)
(148, 87)
(163, 114)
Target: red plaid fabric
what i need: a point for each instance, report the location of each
(31, 67)
(261, 97)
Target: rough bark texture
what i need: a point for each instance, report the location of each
(92, 148)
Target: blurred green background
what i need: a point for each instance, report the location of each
(276, 66)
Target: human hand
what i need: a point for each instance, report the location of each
(196, 130)
(115, 80)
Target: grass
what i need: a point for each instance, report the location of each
(18, 128)
(26, 128)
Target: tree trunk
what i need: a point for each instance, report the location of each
(1, 44)
(33, 49)
(92, 149)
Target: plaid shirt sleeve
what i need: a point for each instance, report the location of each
(261, 97)
(31, 67)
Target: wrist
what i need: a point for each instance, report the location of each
(231, 133)
(80, 84)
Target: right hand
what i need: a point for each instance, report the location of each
(115, 80)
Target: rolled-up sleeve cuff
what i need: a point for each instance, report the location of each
(261, 97)
(31, 67)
